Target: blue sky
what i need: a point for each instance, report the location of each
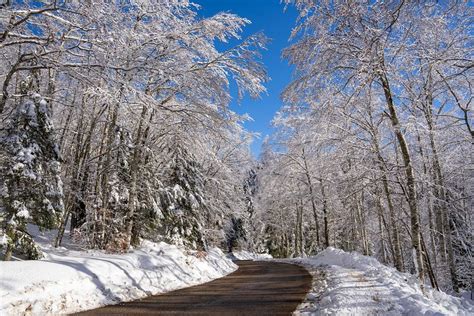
(267, 16)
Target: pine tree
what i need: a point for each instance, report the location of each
(252, 223)
(30, 186)
(250, 188)
(182, 201)
(235, 233)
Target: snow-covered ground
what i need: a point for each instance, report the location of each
(67, 281)
(353, 284)
(246, 255)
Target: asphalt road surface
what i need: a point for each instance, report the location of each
(256, 288)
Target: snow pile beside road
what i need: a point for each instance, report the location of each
(246, 255)
(67, 281)
(353, 284)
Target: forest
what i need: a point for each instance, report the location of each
(115, 128)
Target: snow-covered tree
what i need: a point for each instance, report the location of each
(371, 129)
(135, 69)
(235, 234)
(183, 200)
(31, 188)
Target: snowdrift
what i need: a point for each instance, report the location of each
(353, 284)
(246, 255)
(67, 281)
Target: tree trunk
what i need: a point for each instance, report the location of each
(110, 137)
(444, 224)
(133, 200)
(431, 273)
(361, 220)
(9, 251)
(76, 209)
(325, 215)
(388, 196)
(381, 218)
(311, 194)
(410, 179)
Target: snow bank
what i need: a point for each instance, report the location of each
(353, 284)
(67, 281)
(246, 255)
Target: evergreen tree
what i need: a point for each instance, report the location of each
(250, 188)
(235, 233)
(182, 201)
(253, 224)
(30, 185)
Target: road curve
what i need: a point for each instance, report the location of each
(256, 288)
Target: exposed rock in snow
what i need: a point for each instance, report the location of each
(353, 284)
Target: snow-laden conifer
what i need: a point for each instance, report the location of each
(31, 188)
